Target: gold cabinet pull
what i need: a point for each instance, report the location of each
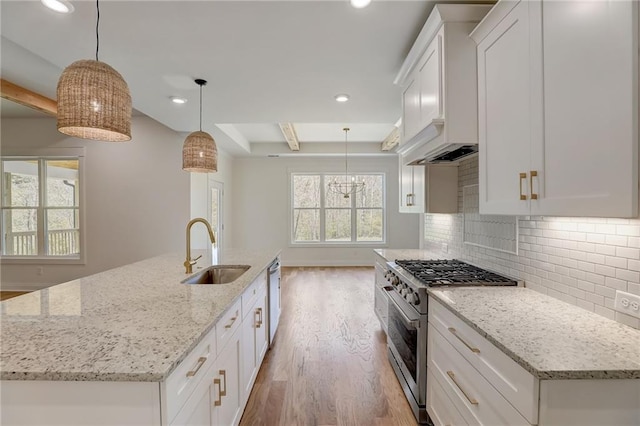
(410, 200)
(217, 402)
(522, 176)
(453, 378)
(233, 319)
(201, 362)
(259, 313)
(471, 348)
(533, 173)
(223, 390)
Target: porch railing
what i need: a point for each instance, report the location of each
(61, 242)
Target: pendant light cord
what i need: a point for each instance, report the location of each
(346, 168)
(97, 27)
(201, 107)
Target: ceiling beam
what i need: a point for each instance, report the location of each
(290, 136)
(26, 97)
(391, 140)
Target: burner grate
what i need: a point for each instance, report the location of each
(451, 272)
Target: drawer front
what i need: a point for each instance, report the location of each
(516, 384)
(227, 324)
(250, 295)
(440, 408)
(477, 401)
(381, 281)
(381, 306)
(184, 379)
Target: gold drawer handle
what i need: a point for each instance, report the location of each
(233, 319)
(223, 391)
(522, 176)
(471, 348)
(533, 173)
(453, 378)
(217, 402)
(201, 362)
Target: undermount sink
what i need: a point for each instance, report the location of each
(217, 274)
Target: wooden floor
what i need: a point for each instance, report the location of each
(328, 364)
(9, 294)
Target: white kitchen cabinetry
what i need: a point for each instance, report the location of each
(438, 78)
(380, 297)
(428, 189)
(558, 108)
(473, 382)
(255, 334)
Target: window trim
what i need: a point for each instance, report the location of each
(322, 208)
(53, 153)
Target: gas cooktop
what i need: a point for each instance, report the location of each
(451, 272)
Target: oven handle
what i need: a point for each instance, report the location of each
(412, 323)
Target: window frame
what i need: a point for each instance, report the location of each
(323, 208)
(49, 154)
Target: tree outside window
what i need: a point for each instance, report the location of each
(40, 207)
(322, 216)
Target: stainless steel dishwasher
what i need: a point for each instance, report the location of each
(274, 298)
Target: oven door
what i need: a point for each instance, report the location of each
(404, 342)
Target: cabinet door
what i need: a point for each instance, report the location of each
(411, 187)
(228, 368)
(261, 329)
(505, 114)
(587, 160)
(198, 410)
(430, 75)
(248, 355)
(411, 110)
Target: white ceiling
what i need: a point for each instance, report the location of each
(267, 62)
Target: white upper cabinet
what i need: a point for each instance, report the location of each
(428, 189)
(558, 108)
(438, 78)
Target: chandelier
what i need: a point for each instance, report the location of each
(347, 185)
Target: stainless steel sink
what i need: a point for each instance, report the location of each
(217, 274)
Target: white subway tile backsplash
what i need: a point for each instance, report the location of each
(629, 253)
(582, 261)
(631, 276)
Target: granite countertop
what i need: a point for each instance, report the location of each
(415, 254)
(133, 323)
(551, 339)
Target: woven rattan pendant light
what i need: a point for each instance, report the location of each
(199, 152)
(94, 100)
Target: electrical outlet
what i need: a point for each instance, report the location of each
(627, 303)
(445, 248)
(40, 270)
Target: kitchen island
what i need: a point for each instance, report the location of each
(133, 326)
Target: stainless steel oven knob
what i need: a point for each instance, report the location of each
(413, 299)
(395, 281)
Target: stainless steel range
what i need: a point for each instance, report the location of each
(407, 321)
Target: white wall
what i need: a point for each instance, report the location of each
(136, 197)
(582, 261)
(260, 197)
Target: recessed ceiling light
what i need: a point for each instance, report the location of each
(359, 4)
(177, 100)
(342, 97)
(60, 6)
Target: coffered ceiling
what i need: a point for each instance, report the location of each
(267, 62)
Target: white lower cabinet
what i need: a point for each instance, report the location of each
(471, 381)
(255, 339)
(380, 297)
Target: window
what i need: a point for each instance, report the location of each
(321, 216)
(40, 205)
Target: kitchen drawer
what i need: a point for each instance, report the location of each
(381, 281)
(440, 408)
(250, 295)
(228, 323)
(184, 379)
(476, 399)
(516, 384)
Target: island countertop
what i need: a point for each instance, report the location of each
(132, 323)
(551, 339)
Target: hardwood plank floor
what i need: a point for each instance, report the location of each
(328, 364)
(9, 294)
